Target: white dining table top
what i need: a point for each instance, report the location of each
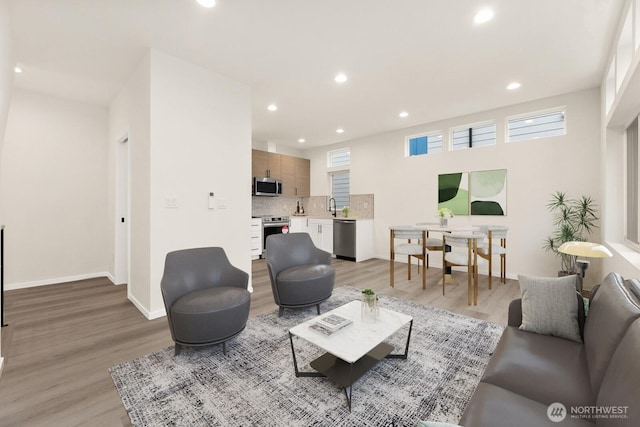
(451, 228)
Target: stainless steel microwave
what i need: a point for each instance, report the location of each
(266, 186)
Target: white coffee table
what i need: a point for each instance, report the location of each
(354, 349)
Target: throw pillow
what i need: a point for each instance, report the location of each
(550, 306)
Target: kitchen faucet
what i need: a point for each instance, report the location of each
(333, 212)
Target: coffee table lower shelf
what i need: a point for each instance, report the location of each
(343, 373)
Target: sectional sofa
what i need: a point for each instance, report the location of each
(536, 379)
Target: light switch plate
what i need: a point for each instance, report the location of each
(171, 202)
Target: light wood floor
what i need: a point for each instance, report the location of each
(61, 339)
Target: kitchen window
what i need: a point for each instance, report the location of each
(416, 145)
(340, 189)
(479, 135)
(339, 162)
(536, 125)
(339, 158)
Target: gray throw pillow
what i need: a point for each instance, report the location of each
(550, 306)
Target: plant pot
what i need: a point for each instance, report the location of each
(369, 308)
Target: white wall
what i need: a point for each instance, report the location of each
(129, 114)
(199, 141)
(625, 106)
(406, 192)
(53, 187)
(7, 62)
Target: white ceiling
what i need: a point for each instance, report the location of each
(423, 56)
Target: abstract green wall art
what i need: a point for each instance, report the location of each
(453, 192)
(488, 192)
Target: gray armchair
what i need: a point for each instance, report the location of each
(301, 274)
(205, 297)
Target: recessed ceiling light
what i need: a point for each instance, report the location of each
(302, 141)
(340, 78)
(17, 69)
(513, 86)
(528, 121)
(340, 130)
(403, 114)
(483, 16)
(272, 107)
(207, 3)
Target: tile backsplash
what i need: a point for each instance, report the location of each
(361, 206)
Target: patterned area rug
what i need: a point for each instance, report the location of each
(255, 383)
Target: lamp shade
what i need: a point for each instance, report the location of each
(585, 249)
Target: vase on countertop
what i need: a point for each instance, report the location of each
(443, 221)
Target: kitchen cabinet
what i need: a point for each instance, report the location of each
(265, 164)
(364, 239)
(256, 238)
(321, 232)
(302, 178)
(298, 225)
(295, 172)
(288, 175)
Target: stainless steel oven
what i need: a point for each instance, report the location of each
(273, 225)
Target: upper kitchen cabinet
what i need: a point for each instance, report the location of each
(265, 164)
(287, 175)
(302, 179)
(295, 172)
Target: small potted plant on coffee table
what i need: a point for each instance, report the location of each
(369, 304)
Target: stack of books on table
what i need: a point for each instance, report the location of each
(331, 323)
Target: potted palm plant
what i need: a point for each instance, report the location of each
(574, 220)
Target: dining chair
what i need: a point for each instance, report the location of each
(495, 243)
(433, 244)
(412, 246)
(465, 256)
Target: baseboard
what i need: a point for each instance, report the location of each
(150, 315)
(57, 280)
(113, 279)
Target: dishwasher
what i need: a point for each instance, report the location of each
(344, 239)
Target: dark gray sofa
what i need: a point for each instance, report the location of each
(597, 382)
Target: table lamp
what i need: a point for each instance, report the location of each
(584, 249)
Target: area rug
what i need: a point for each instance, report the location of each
(255, 383)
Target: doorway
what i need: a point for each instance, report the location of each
(122, 198)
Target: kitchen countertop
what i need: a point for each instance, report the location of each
(327, 218)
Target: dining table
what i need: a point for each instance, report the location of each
(449, 228)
